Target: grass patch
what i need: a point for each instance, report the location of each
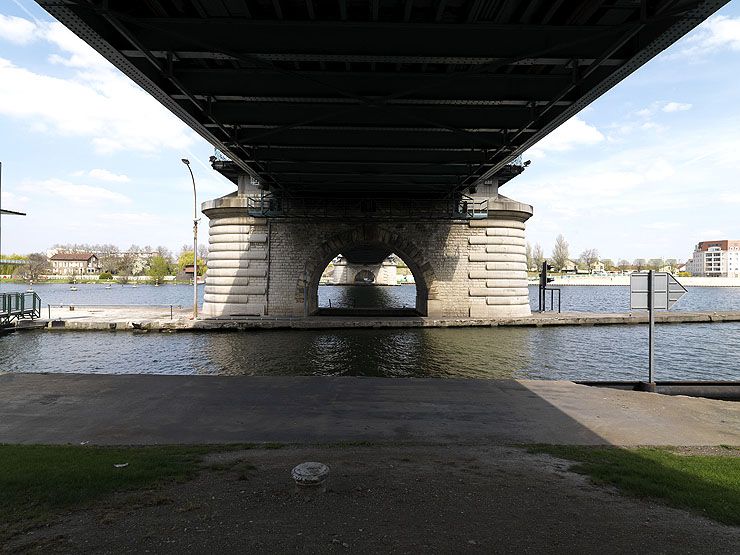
(39, 480)
(707, 484)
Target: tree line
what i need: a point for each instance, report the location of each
(588, 259)
(134, 261)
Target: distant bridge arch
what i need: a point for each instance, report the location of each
(368, 237)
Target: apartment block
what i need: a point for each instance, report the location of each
(715, 259)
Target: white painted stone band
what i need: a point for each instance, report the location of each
(504, 283)
(510, 258)
(236, 272)
(228, 246)
(235, 289)
(214, 310)
(215, 231)
(508, 301)
(229, 264)
(238, 255)
(494, 274)
(222, 298)
(513, 224)
(237, 220)
(505, 265)
(496, 292)
(508, 249)
(495, 240)
(226, 281)
(505, 232)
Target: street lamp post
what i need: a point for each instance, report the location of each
(195, 242)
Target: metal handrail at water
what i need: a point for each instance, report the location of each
(18, 306)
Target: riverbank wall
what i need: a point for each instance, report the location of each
(162, 319)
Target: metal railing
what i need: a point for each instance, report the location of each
(543, 297)
(18, 306)
(283, 206)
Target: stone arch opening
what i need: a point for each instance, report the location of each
(367, 237)
(364, 277)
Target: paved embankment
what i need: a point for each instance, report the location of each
(692, 281)
(140, 409)
(162, 319)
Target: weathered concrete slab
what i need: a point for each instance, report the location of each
(139, 409)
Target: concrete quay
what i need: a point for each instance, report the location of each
(163, 319)
(157, 409)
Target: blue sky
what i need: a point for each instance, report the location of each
(648, 170)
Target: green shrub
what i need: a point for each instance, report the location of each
(106, 275)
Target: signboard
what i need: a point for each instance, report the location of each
(666, 290)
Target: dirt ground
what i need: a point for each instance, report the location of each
(382, 499)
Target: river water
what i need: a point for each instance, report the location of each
(683, 351)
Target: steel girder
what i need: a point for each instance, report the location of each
(421, 97)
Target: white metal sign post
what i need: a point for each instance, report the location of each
(651, 291)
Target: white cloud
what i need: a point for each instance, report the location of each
(719, 32)
(96, 101)
(16, 29)
(137, 219)
(573, 133)
(105, 175)
(13, 201)
(711, 234)
(676, 107)
(76, 194)
(730, 198)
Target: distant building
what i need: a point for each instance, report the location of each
(74, 263)
(715, 259)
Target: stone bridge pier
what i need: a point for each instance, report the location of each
(270, 266)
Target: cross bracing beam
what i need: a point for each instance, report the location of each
(337, 38)
(392, 59)
(390, 138)
(475, 86)
(352, 92)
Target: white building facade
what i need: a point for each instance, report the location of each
(715, 259)
(74, 264)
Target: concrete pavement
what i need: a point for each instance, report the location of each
(142, 409)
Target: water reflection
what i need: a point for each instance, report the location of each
(683, 351)
(367, 296)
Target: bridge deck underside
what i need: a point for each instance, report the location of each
(411, 97)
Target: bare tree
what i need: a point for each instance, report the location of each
(202, 251)
(589, 258)
(538, 257)
(165, 253)
(608, 264)
(528, 254)
(559, 257)
(36, 265)
(655, 263)
(639, 264)
(623, 265)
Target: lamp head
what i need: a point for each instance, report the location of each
(186, 161)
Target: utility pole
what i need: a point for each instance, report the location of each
(195, 242)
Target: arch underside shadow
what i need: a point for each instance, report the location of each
(366, 236)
